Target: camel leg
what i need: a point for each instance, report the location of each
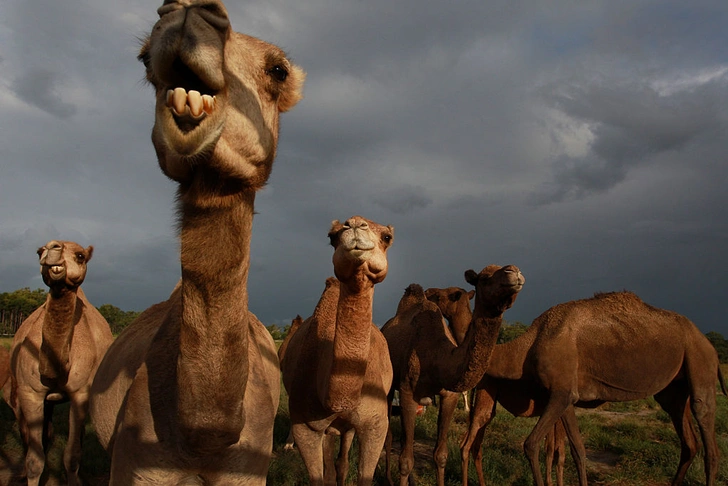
(32, 411)
(578, 452)
(549, 456)
(555, 408)
(674, 400)
(76, 422)
(310, 446)
(466, 402)
(342, 463)
(560, 451)
(481, 413)
(329, 451)
(408, 411)
(371, 441)
(702, 404)
(388, 440)
(448, 403)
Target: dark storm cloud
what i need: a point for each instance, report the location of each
(42, 89)
(630, 125)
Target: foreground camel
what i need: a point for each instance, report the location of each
(426, 358)
(612, 348)
(55, 354)
(188, 392)
(504, 382)
(336, 366)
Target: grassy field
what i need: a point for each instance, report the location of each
(627, 444)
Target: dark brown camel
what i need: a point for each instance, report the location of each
(426, 358)
(612, 348)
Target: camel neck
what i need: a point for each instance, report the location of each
(473, 355)
(460, 322)
(59, 323)
(352, 339)
(212, 367)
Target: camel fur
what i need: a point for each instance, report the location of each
(189, 391)
(613, 347)
(54, 356)
(427, 360)
(336, 366)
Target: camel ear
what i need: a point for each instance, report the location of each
(471, 277)
(471, 294)
(431, 295)
(40, 251)
(89, 253)
(292, 92)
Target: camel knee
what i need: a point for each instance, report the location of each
(405, 465)
(531, 448)
(440, 456)
(33, 466)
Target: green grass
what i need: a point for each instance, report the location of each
(636, 437)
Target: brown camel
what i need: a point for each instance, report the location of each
(612, 348)
(189, 391)
(336, 366)
(426, 358)
(505, 383)
(55, 354)
(4, 366)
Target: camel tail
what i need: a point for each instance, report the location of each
(722, 381)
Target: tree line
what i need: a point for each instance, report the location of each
(16, 306)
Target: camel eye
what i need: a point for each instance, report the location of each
(278, 73)
(387, 238)
(80, 257)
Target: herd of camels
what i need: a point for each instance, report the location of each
(188, 393)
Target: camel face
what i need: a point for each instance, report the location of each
(496, 286)
(63, 263)
(360, 244)
(218, 93)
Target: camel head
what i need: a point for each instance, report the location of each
(218, 94)
(63, 264)
(360, 249)
(496, 287)
(450, 300)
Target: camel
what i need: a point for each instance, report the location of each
(505, 383)
(189, 391)
(613, 347)
(426, 358)
(54, 356)
(454, 303)
(4, 366)
(336, 366)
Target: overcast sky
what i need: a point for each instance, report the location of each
(584, 141)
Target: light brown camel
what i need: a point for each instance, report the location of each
(504, 382)
(189, 391)
(336, 366)
(54, 357)
(426, 358)
(612, 348)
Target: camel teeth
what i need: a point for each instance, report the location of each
(208, 104)
(179, 100)
(194, 101)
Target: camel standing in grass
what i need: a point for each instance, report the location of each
(426, 358)
(189, 391)
(504, 382)
(612, 348)
(55, 354)
(336, 366)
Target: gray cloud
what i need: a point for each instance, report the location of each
(42, 89)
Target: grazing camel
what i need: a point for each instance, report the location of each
(426, 358)
(55, 354)
(504, 382)
(336, 366)
(189, 391)
(612, 348)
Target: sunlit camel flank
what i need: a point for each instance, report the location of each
(612, 348)
(336, 366)
(426, 358)
(54, 356)
(188, 392)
